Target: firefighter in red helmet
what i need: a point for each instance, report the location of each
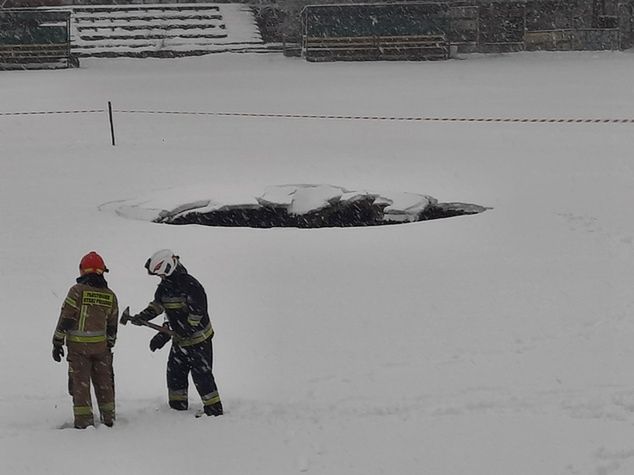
(88, 326)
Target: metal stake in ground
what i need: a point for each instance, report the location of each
(111, 122)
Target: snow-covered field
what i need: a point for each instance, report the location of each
(495, 344)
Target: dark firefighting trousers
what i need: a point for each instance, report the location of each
(197, 359)
(82, 370)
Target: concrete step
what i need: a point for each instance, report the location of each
(163, 30)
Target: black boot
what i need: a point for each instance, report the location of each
(83, 424)
(214, 409)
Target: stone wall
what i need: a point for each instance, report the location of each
(515, 25)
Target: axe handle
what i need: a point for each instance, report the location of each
(125, 318)
(159, 328)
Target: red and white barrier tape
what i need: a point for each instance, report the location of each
(345, 117)
(387, 118)
(87, 111)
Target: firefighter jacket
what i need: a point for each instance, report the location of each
(89, 316)
(184, 301)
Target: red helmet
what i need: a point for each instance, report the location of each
(92, 263)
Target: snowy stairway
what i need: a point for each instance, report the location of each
(163, 30)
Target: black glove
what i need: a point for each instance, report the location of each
(58, 352)
(159, 341)
(111, 336)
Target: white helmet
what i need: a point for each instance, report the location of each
(162, 263)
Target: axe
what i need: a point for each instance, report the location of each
(125, 318)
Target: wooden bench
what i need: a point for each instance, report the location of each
(30, 56)
(573, 39)
(370, 48)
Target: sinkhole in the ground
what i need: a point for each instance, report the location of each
(318, 206)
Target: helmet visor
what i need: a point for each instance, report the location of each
(162, 269)
(147, 267)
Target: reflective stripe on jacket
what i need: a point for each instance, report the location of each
(196, 338)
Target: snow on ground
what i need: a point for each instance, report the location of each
(499, 343)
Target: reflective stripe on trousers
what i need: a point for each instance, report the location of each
(177, 394)
(211, 398)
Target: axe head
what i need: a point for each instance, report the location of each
(125, 316)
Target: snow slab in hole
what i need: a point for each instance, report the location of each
(297, 199)
(406, 206)
(308, 199)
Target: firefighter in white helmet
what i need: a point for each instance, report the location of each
(184, 301)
